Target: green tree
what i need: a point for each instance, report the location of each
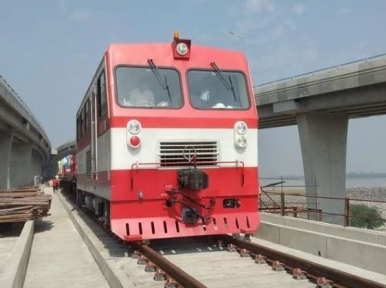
(363, 216)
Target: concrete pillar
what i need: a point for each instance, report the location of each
(20, 164)
(323, 140)
(6, 139)
(36, 165)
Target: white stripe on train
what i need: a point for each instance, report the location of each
(115, 154)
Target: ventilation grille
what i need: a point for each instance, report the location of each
(88, 164)
(171, 154)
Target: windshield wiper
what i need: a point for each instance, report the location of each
(164, 84)
(228, 85)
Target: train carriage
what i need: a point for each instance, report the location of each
(167, 142)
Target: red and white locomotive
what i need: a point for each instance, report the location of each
(167, 142)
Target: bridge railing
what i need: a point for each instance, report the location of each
(364, 207)
(320, 71)
(18, 104)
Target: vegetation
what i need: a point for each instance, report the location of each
(363, 216)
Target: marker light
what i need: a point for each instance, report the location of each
(241, 127)
(135, 141)
(182, 49)
(134, 127)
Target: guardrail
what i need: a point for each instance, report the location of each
(320, 71)
(19, 105)
(358, 212)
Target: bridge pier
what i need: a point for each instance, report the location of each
(323, 140)
(36, 164)
(20, 164)
(6, 139)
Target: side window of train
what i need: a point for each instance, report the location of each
(102, 96)
(78, 128)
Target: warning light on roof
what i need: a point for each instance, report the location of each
(181, 47)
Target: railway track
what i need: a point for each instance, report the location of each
(225, 261)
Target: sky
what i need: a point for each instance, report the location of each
(50, 49)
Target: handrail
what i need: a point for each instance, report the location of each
(18, 103)
(319, 71)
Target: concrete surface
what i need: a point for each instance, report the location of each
(235, 273)
(17, 119)
(346, 245)
(59, 258)
(349, 269)
(222, 269)
(119, 270)
(6, 247)
(14, 272)
(321, 103)
(355, 90)
(323, 141)
(352, 233)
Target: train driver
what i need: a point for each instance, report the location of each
(140, 96)
(143, 96)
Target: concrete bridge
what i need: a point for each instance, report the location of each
(321, 104)
(24, 145)
(65, 149)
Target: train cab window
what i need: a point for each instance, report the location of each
(211, 90)
(146, 87)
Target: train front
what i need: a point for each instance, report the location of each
(183, 142)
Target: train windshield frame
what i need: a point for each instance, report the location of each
(216, 89)
(148, 88)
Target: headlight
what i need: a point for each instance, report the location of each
(134, 127)
(241, 141)
(241, 128)
(182, 49)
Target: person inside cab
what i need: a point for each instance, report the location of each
(142, 96)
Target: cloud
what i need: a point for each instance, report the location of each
(299, 8)
(253, 6)
(80, 15)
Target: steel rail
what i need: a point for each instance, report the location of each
(313, 269)
(172, 270)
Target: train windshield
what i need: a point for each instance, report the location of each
(218, 89)
(148, 87)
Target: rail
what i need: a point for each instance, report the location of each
(18, 104)
(175, 272)
(317, 272)
(319, 71)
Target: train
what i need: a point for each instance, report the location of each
(167, 142)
